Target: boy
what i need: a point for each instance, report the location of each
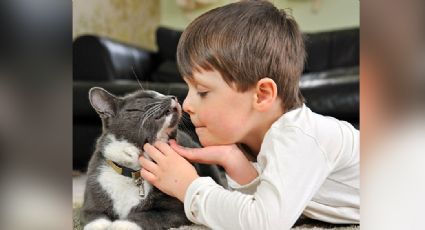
(242, 63)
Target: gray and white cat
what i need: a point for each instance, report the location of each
(116, 197)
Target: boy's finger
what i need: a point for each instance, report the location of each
(154, 153)
(148, 165)
(150, 177)
(198, 155)
(207, 155)
(164, 148)
(182, 151)
(173, 141)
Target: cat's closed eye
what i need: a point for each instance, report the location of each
(133, 110)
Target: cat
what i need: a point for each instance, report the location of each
(116, 197)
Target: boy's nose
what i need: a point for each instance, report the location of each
(187, 107)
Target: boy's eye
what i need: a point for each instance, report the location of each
(202, 94)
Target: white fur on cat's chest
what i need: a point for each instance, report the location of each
(122, 190)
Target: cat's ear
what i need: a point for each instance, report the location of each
(103, 102)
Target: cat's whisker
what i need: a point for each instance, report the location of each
(149, 113)
(186, 120)
(189, 127)
(185, 129)
(152, 107)
(137, 78)
(154, 103)
(151, 104)
(186, 124)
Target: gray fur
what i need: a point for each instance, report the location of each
(129, 118)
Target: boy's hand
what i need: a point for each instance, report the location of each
(230, 157)
(170, 172)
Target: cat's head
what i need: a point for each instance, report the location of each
(140, 117)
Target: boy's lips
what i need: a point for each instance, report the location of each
(197, 128)
(196, 125)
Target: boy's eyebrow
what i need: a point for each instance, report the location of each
(189, 81)
(194, 81)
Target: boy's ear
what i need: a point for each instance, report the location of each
(265, 94)
(103, 102)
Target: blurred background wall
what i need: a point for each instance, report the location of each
(311, 15)
(130, 21)
(135, 21)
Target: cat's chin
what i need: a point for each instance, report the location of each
(168, 136)
(170, 133)
(173, 134)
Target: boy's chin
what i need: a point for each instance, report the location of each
(205, 142)
(209, 140)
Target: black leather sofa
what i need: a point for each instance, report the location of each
(330, 82)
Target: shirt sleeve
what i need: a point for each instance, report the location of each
(249, 188)
(294, 167)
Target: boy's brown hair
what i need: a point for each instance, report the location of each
(246, 41)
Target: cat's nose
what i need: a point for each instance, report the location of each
(174, 98)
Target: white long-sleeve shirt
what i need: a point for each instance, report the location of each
(308, 163)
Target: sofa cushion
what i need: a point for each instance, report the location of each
(331, 49)
(167, 40)
(167, 72)
(90, 60)
(345, 46)
(317, 48)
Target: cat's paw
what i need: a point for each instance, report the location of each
(122, 152)
(124, 225)
(131, 152)
(98, 224)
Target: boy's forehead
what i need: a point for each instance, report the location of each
(203, 77)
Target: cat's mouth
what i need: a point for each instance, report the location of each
(171, 117)
(167, 112)
(175, 116)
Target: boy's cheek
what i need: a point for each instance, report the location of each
(210, 117)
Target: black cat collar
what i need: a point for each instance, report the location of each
(128, 172)
(122, 170)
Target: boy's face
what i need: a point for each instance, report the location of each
(221, 115)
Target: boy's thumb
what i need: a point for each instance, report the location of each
(179, 149)
(192, 154)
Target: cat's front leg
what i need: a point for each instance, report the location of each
(98, 224)
(124, 225)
